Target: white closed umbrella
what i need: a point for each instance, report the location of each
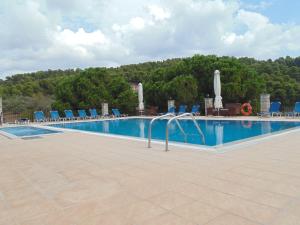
(141, 98)
(217, 88)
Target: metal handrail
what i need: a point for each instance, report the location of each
(150, 126)
(175, 118)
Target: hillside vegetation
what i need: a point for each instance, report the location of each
(187, 80)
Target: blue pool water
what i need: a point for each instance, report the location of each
(216, 132)
(25, 131)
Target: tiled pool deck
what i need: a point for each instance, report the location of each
(82, 179)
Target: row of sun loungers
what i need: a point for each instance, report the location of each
(39, 116)
(275, 110)
(183, 109)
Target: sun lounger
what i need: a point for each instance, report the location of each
(171, 110)
(69, 115)
(94, 114)
(116, 113)
(273, 111)
(54, 116)
(296, 111)
(82, 114)
(39, 116)
(182, 109)
(195, 110)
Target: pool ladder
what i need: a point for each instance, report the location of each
(174, 117)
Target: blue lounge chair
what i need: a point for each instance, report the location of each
(82, 114)
(273, 111)
(296, 111)
(94, 114)
(182, 109)
(39, 116)
(195, 110)
(171, 110)
(116, 113)
(69, 115)
(54, 116)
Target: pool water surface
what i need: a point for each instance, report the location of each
(215, 132)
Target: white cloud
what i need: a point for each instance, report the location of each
(52, 34)
(259, 6)
(158, 13)
(81, 37)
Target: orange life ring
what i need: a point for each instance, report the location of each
(248, 107)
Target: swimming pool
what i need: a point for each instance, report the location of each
(216, 132)
(26, 131)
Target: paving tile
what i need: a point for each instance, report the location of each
(253, 211)
(191, 190)
(197, 212)
(136, 213)
(170, 200)
(6, 218)
(229, 219)
(285, 218)
(167, 219)
(145, 190)
(272, 199)
(57, 218)
(33, 209)
(239, 206)
(86, 191)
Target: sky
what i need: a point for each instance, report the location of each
(55, 34)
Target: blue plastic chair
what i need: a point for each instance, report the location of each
(39, 116)
(171, 110)
(196, 110)
(54, 115)
(273, 111)
(296, 111)
(182, 109)
(116, 112)
(82, 114)
(69, 115)
(94, 114)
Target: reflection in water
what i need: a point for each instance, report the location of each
(246, 124)
(105, 126)
(219, 134)
(266, 127)
(142, 128)
(209, 127)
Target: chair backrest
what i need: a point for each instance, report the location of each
(275, 107)
(54, 115)
(171, 109)
(69, 113)
(116, 112)
(93, 112)
(182, 109)
(82, 113)
(195, 109)
(39, 115)
(297, 107)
